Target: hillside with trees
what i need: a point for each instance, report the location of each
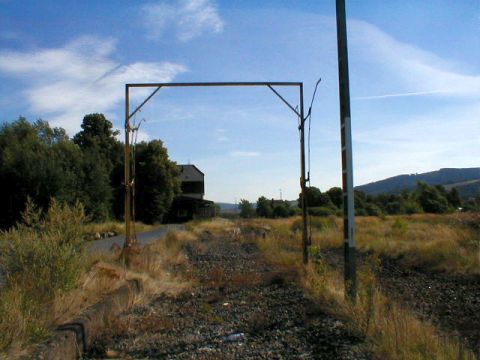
(466, 180)
(424, 198)
(39, 162)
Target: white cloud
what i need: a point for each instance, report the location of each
(416, 72)
(186, 19)
(63, 84)
(244, 154)
(404, 94)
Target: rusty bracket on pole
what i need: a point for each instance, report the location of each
(144, 102)
(285, 101)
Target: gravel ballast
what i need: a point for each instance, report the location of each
(240, 308)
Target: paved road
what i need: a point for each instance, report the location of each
(143, 238)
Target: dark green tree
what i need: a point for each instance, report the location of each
(360, 203)
(336, 196)
(432, 199)
(373, 209)
(102, 160)
(97, 194)
(281, 209)
(36, 161)
(315, 198)
(246, 209)
(41, 163)
(264, 208)
(156, 182)
(473, 205)
(97, 133)
(453, 198)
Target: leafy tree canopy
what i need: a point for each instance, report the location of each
(41, 162)
(246, 209)
(264, 207)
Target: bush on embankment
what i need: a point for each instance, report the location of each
(41, 258)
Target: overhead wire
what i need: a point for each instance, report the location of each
(309, 117)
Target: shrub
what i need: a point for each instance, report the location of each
(399, 226)
(432, 199)
(295, 211)
(41, 258)
(412, 207)
(373, 210)
(280, 211)
(297, 225)
(322, 211)
(316, 223)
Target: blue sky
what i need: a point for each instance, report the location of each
(414, 71)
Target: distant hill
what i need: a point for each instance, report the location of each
(466, 180)
(228, 207)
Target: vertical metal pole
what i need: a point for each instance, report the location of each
(128, 180)
(347, 162)
(302, 179)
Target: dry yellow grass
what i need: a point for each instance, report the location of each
(439, 242)
(163, 265)
(152, 264)
(214, 226)
(392, 331)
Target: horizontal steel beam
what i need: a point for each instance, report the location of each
(266, 83)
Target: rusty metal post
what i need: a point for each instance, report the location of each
(128, 180)
(347, 160)
(302, 179)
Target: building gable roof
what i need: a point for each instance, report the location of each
(190, 172)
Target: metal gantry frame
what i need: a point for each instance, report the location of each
(130, 240)
(350, 276)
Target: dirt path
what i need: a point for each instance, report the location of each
(242, 308)
(450, 301)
